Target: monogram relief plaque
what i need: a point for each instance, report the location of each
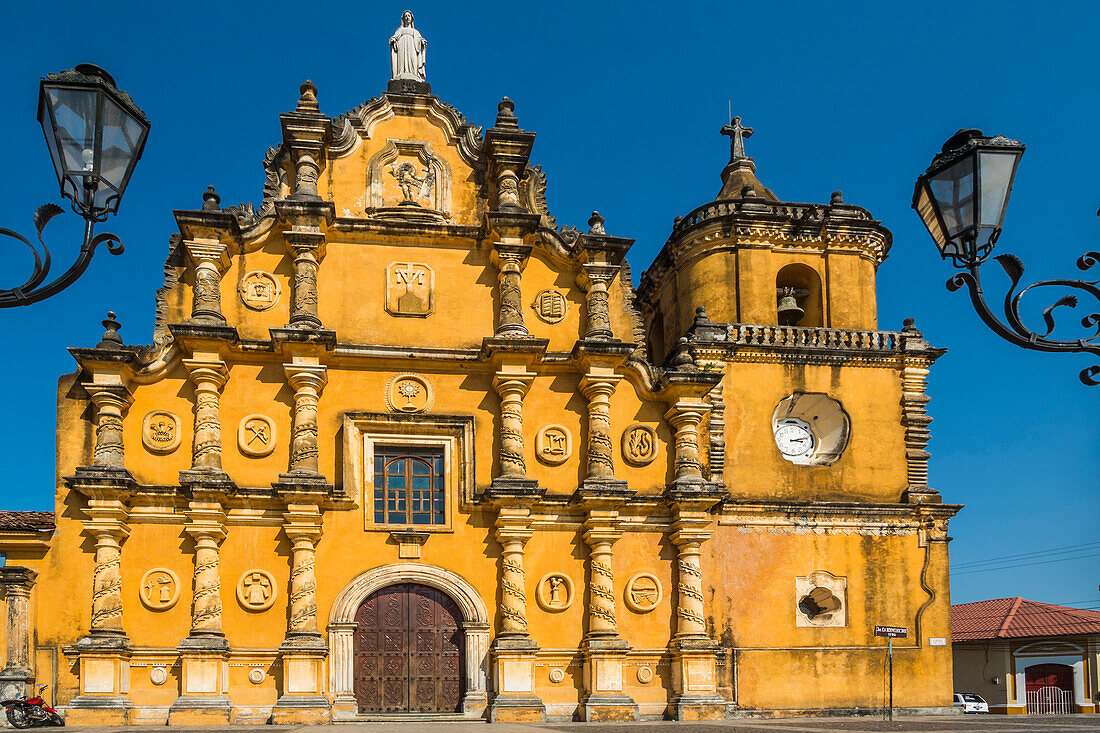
(639, 445)
(409, 393)
(553, 445)
(410, 289)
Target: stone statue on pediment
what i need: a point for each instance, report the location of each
(408, 51)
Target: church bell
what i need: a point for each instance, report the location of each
(789, 312)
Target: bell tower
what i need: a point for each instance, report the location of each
(749, 258)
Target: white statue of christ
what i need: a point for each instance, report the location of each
(408, 51)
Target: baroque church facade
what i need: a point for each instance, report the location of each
(403, 444)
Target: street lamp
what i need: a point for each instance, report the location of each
(961, 199)
(96, 135)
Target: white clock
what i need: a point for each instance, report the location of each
(794, 437)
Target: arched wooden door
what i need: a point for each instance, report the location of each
(408, 651)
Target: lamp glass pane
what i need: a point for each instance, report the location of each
(74, 116)
(927, 213)
(46, 119)
(997, 169)
(121, 137)
(953, 190)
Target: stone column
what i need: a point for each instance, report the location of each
(598, 389)
(204, 653)
(210, 259)
(514, 650)
(595, 280)
(304, 651)
(685, 417)
(306, 248)
(111, 402)
(512, 384)
(604, 651)
(307, 381)
(510, 316)
(18, 672)
(105, 651)
(208, 376)
(917, 357)
(694, 654)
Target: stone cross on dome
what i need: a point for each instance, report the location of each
(737, 133)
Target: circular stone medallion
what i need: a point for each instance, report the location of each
(259, 290)
(557, 674)
(161, 432)
(160, 589)
(158, 676)
(256, 590)
(643, 592)
(550, 306)
(645, 675)
(256, 675)
(555, 592)
(409, 393)
(256, 436)
(639, 445)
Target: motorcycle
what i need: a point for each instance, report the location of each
(31, 712)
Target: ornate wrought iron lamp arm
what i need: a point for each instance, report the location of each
(32, 290)
(1013, 330)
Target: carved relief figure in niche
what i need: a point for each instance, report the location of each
(555, 592)
(259, 290)
(160, 589)
(256, 436)
(639, 445)
(553, 445)
(408, 393)
(410, 289)
(161, 432)
(408, 51)
(413, 187)
(550, 306)
(256, 590)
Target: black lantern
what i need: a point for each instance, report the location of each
(963, 195)
(95, 133)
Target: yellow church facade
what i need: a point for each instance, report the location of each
(403, 445)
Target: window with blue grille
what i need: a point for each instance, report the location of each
(409, 485)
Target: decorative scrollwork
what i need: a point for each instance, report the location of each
(33, 290)
(1013, 328)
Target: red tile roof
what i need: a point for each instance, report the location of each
(1010, 618)
(26, 521)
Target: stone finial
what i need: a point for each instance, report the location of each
(910, 326)
(210, 200)
(737, 134)
(837, 198)
(595, 224)
(110, 339)
(506, 113)
(676, 221)
(748, 192)
(701, 314)
(683, 358)
(307, 102)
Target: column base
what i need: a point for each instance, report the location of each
(301, 710)
(15, 683)
(605, 700)
(104, 664)
(99, 710)
(204, 671)
(200, 710)
(695, 680)
(514, 673)
(302, 701)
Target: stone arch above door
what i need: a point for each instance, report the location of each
(341, 630)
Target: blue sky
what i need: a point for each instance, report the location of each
(627, 100)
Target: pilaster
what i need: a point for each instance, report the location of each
(594, 280)
(597, 386)
(17, 676)
(917, 357)
(111, 400)
(307, 380)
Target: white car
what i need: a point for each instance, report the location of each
(971, 703)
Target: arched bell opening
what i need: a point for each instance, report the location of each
(798, 296)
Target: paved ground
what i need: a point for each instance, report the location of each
(950, 724)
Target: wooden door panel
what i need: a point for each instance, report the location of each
(408, 651)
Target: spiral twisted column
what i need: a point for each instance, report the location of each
(208, 376)
(690, 614)
(302, 525)
(595, 281)
(111, 402)
(209, 259)
(598, 390)
(510, 316)
(306, 245)
(512, 532)
(307, 381)
(601, 532)
(512, 385)
(206, 526)
(106, 526)
(684, 417)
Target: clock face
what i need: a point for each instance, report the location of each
(794, 438)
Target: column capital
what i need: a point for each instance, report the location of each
(602, 527)
(17, 579)
(109, 395)
(596, 274)
(513, 524)
(209, 371)
(205, 520)
(303, 521)
(596, 384)
(689, 411)
(301, 241)
(508, 382)
(106, 518)
(510, 256)
(208, 250)
(301, 376)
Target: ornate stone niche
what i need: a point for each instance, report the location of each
(160, 589)
(639, 445)
(821, 600)
(407, 180)
(161, 432)
(410, 289)
(256, 435)
(259, 290)
(554, 445)
(256, 590)
(555, 592)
